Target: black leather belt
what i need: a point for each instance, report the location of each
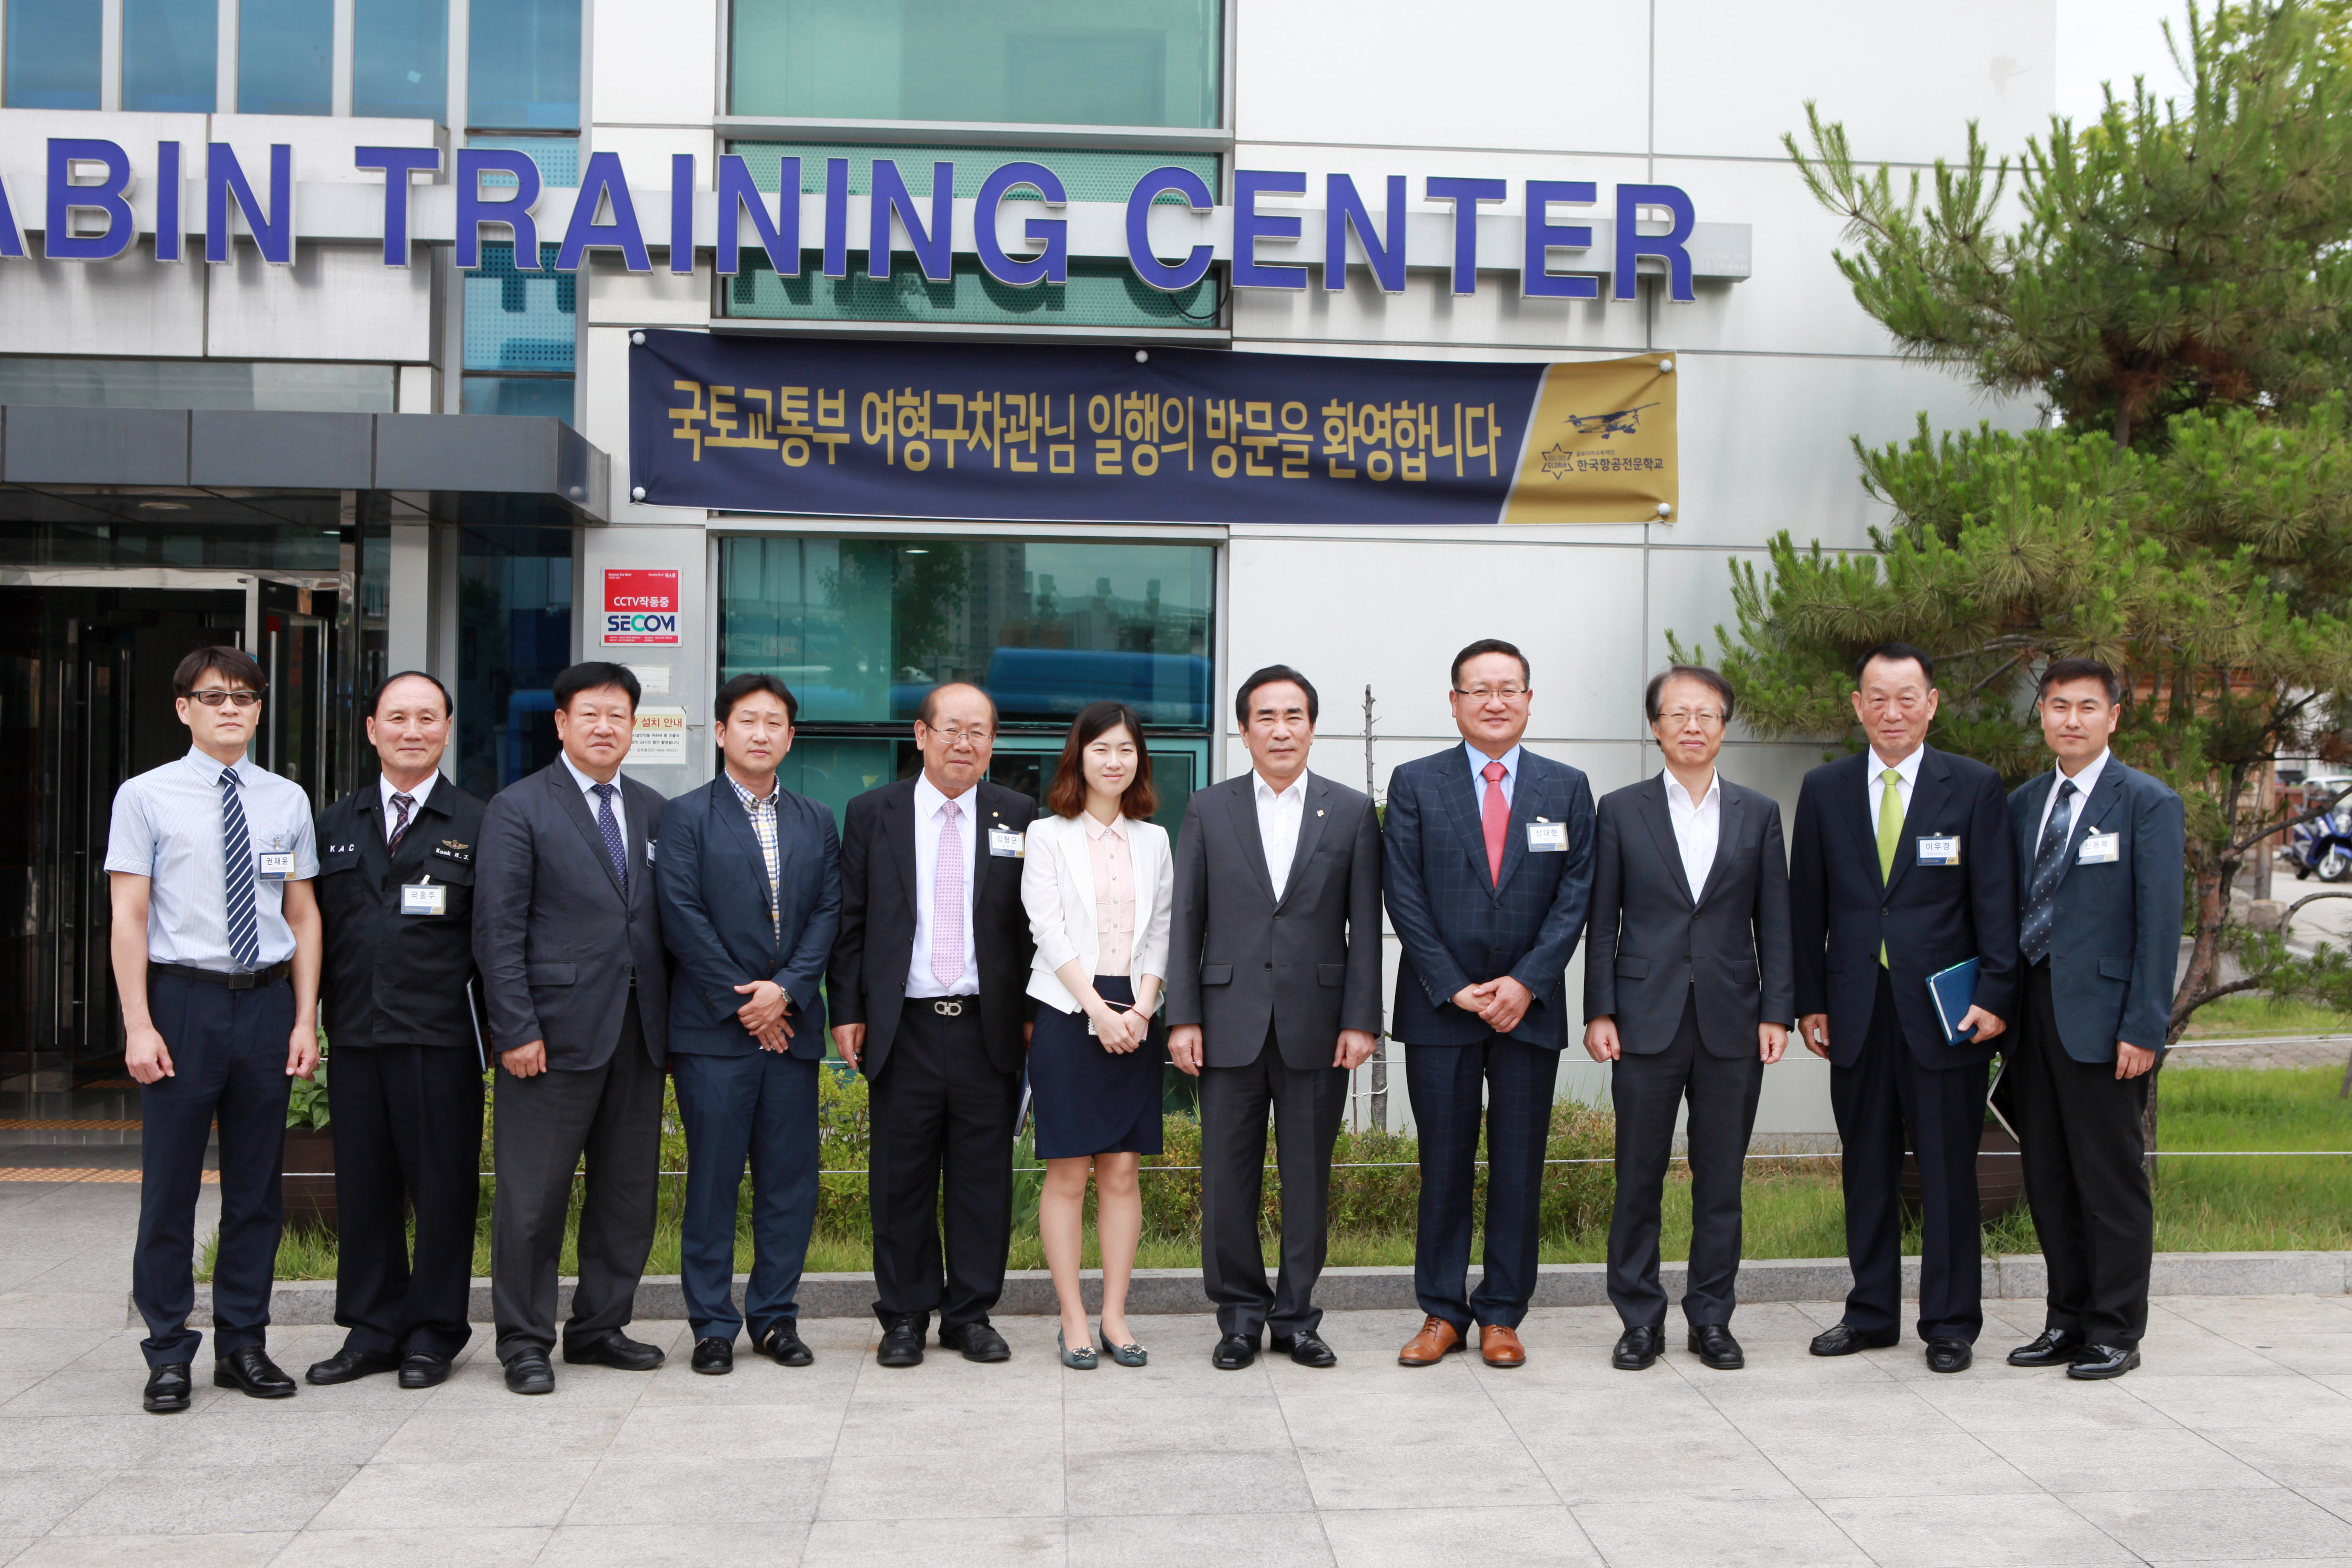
(253, 981)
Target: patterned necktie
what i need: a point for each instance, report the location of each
(947, 900)
(612, 832)
(1890, 832)
(404, 804)
(236, 860)
(2049, 871)
(1495, 816)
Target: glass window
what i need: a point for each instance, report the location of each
(545, 395)
(169, 52)
(285, 56)
(516, 320)
(1063, 62)
(400, 59)
(514, 638)
(523, 64)
(52, 54)
(323, 387)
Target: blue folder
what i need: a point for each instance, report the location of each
(1954, 991)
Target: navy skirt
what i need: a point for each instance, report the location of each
(1089, 1100)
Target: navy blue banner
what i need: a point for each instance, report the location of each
(1085, 434)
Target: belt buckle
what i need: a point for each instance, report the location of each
(948, 1006)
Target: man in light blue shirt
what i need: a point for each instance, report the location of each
(215, 945)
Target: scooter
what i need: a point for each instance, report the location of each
(2323, 844)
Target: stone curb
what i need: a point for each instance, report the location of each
(1030, 1293)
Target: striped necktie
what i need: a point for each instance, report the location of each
(237, 863)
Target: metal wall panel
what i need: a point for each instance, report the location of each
(337, 302)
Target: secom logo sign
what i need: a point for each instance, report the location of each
(640, 607)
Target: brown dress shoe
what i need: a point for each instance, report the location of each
(1427, 1348)
(1500, 1346)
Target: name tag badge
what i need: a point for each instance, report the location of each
(425, 898)
(1939, 851)
(1547, 838)
(2100, 849)
(276, 865)
(1004, 841)
(649, 851)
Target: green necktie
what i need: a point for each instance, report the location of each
(1890, 832)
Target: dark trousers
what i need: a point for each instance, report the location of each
(543, 1126)
(1649, 1089)
(228, 1065)
(761, 1107)
(2081, 1130)
(1888, 1102)
(1445, 1082)
(940, 1109)
(408, 1132)
(1307, 1104)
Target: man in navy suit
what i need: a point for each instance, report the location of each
(1488, 870)
(2103, 847)
(1900, 868)
(750, 900)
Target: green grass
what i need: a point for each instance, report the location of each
(1792, 1207)
(2251, 1013)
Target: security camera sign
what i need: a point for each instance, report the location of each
(640, 607)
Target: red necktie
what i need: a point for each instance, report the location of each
(1494, 816)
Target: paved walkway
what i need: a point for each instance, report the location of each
(2235, 1446)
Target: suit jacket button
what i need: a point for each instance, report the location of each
(1270, 966)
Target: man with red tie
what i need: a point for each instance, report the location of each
(1488, 871)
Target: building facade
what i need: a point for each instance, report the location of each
(277, 367)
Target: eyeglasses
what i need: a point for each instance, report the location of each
(954, 737)
(1482, 693)
(212, 697)
(1681, 718)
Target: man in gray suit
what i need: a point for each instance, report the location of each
(1273, 996)
(567, 935)
(1689, 987)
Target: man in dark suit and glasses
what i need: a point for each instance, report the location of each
(1901, 867)
(750, 881)
(567, 931)
(2102, 846)
(1274, 997)
(929, 985)
(396, 892)
(1689, 988)
(1489, 869)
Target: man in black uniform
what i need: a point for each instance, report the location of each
(395, 884)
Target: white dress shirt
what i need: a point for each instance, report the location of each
(1874, 786)
(588, 787)
(928, 801)
(1278, 816)
(417, 798)
(2085, 783)
(1697, 826)
(167, 827)
(1479, 761)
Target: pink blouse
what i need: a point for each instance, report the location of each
(1114, 895)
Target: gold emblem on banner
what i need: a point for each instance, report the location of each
(1600, 447)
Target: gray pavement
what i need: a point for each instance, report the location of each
(2234, 1445)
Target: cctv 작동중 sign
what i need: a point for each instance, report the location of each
(640, 607)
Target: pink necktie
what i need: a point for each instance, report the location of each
(947, 900)
(1494, 816)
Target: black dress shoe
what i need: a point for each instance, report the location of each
(615, 1350)
(2053, 1347)
(1844, 1339)
(902, 1342)
(529, 1372)
(713, 1357)
(167, 1388)
(348, 1366)
(423, 1369)
(1305, 1349)
(1636, 1350)
(249, 1370)
(978, 1341)
(783, 1346)
(1233, 1352)
(1715, 1347)
(1949, 1355)
(2092, 1362)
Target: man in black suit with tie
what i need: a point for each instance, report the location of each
(1902, 868)
(567, 931)
(1489, 869)
(928, 986)
(1689, 988)
(2103, 846)
(1274, 997)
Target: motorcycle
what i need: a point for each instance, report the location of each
(2323, 844)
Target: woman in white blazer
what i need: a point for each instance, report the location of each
(1099, 884)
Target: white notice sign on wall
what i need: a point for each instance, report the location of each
(660, 738)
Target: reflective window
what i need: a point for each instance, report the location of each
(285, 56)
(523, 64)
(170, 50)
(517, 320)
(1075, 62)
(400, 59)
(547, 394)
(52, 54)
(514, 638)
(307, 386)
